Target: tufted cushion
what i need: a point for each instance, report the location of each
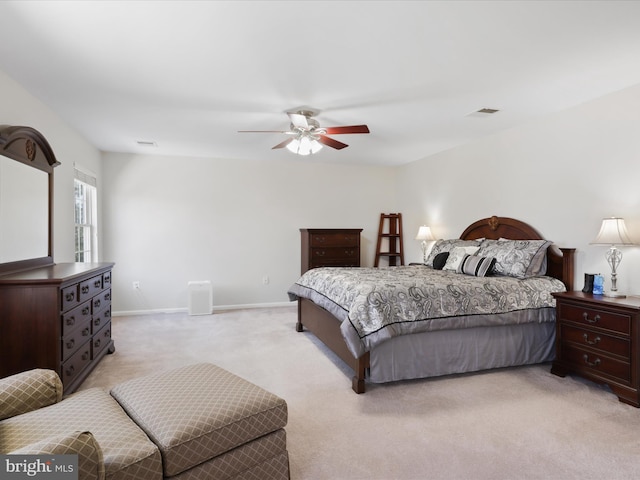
(84, 444)
(198, 412)
(27, 391)
(127, 451)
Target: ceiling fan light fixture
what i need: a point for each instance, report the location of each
(304, 145)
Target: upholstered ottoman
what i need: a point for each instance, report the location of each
(209, 423)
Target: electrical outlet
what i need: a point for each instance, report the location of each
(136, 285)
(265, 280)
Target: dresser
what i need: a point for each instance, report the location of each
(329, 247)
(598, 338)
(56, 317)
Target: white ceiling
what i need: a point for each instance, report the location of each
(189, 75)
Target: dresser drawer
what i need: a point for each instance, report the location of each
(90, 287)
(597, 341)
(593, 317)
(106, 280)
(72, 342)
(101, 340)
(334, 240)
(343, 254)
(597, 363)
(75, 318)
(101, 319)
(76, 363)
(69, 297)
(101, 301)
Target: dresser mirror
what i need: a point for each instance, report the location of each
(26, 195)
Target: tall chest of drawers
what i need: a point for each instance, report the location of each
(56, 317)
(329, 247)
(598, 338)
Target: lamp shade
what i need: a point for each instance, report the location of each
(612, 232)
(424, 233)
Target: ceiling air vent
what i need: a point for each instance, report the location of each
(483, 112)
(146, 143)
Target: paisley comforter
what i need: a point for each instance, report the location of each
(374, 304)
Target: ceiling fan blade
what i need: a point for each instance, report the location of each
(348, 129)
(330, 142)
(283, 144)
(299, 120)
(263, 131)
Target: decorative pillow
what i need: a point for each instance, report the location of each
(456, 256)
(516, 258)
(440, 260)
(448, 245)
(477, 266)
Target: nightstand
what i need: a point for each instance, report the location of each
(598, 338)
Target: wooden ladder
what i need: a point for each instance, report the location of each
(394, 239)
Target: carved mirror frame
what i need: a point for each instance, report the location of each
(28, 146)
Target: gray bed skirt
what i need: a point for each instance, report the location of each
(445, 352)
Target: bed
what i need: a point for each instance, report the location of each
(456, 321)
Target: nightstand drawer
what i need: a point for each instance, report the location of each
(597, 364)
(597, 341)
(593, 317)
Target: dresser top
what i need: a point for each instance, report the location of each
(56, 273)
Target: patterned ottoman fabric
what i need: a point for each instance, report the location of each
(27, 391)
(127, 452)
(198, 412)
(84, 444)
(265, 454)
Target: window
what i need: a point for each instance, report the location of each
(86, 217)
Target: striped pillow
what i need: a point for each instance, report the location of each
(478, 266)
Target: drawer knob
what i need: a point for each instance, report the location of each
(595, 319)
(595, 341)
(70, 344)
(71, 320)
(85, 289)
(595, 363)
(69, 297)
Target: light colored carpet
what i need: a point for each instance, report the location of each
(519, 423)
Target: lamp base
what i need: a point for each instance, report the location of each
(614, 295)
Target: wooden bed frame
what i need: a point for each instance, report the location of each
(326, 327)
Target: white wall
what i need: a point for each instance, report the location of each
(561, 174)
(166, 221)
(20, 108)
(171, 220)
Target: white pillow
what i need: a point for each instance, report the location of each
(456, 256)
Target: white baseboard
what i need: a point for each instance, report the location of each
(215, 308)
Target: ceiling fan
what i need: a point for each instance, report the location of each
(307, 136)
